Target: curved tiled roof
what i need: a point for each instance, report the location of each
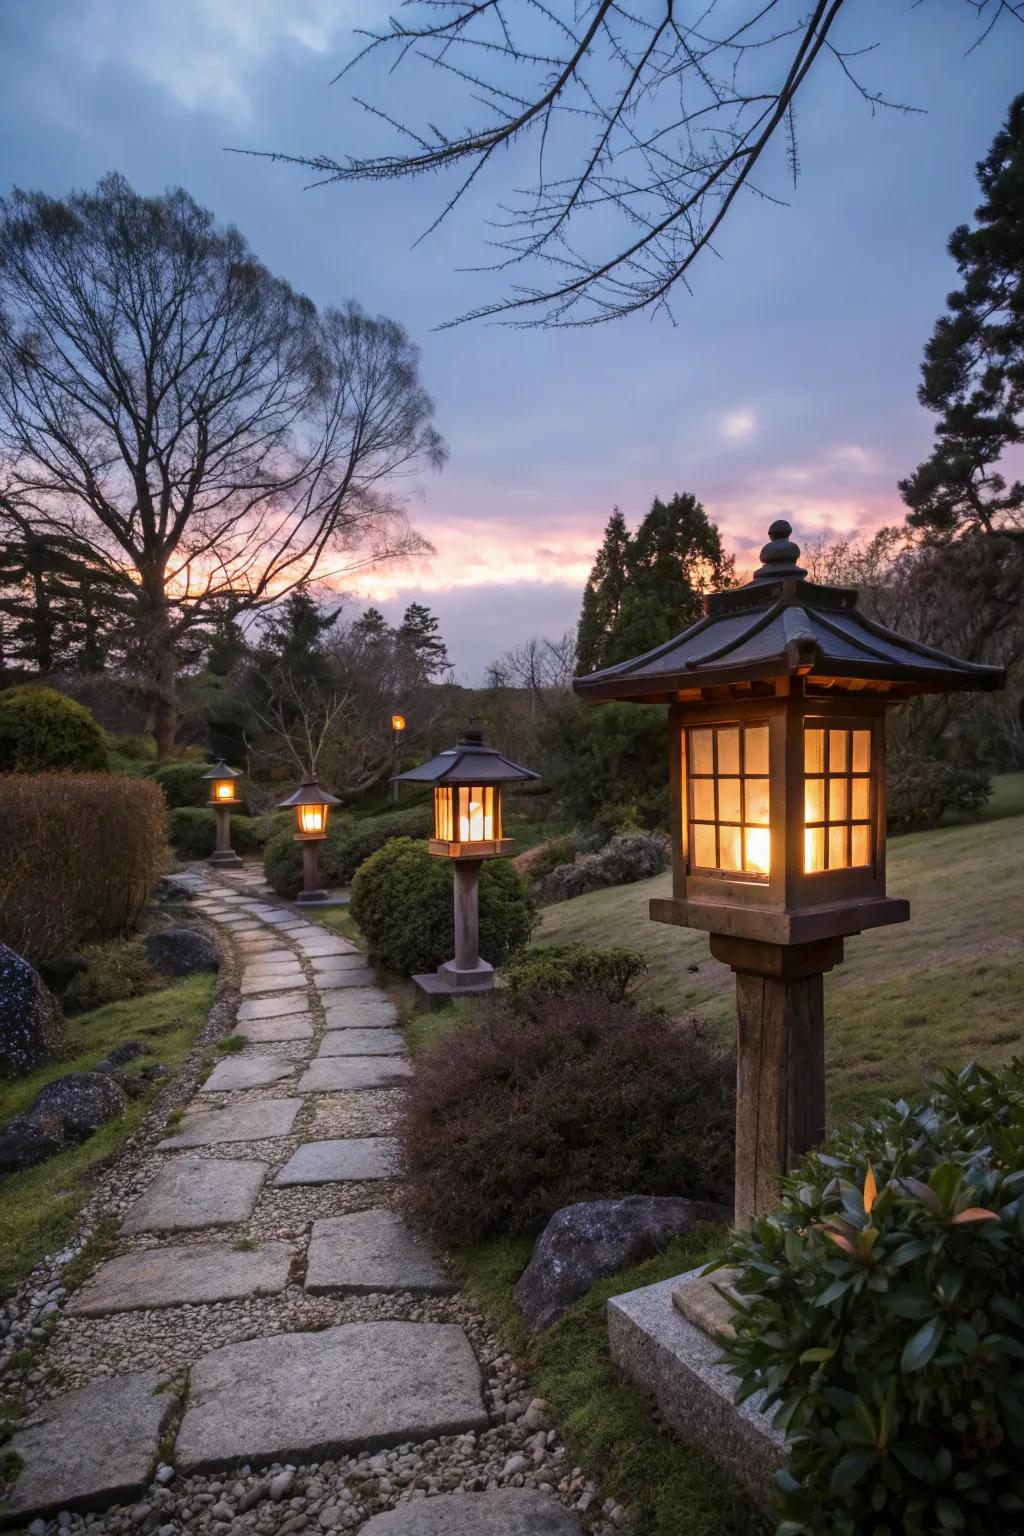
(470, 762)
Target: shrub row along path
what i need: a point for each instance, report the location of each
(270, 1347)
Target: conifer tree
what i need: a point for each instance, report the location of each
(674, 557)
(419, 632)
(602, 597)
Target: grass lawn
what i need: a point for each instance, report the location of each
(936, 991)
(38, 1206)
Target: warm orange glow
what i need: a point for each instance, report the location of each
(223, 789)
(837, 799)
(757, 850)
(476, 824)
(870, 1189)
(729, 799)
(398, 722)
(312, 819)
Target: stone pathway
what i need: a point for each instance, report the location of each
(271, 1348)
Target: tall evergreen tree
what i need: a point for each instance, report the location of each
(973, 369)
(602, 597)
(419, 632)
(372, 628)
(294, 637)
(674, 557)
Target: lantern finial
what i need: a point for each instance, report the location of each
(779, 555)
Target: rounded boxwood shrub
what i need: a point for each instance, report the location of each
(883, 1318)
(41, 729)
(282, 859)
(521, 1111)
(347, 844)
(562, 968)
(183, 784)
(193, 832)
(402, 901)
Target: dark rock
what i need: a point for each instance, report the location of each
(58, 971)
(583, 1243)
(121, 1056)
(180, 951)
(30, 1015)
(65, 1112)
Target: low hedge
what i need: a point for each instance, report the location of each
(521, 1111)
(79, 856)
(402, 901)
(883, 1318)
(183, 784)
(193, 832)
(566, 968)
(920, 790)
(348, 843)
(41, 730)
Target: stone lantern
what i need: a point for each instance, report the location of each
(312, 806)
(468, 780)
(223, 799)
(777, 700)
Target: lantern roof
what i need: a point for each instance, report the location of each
(220, 770)
(469, 762)
(781, 624)
(309, 792)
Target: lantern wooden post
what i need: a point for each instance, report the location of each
(777, 705)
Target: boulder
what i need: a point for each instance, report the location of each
(120, 1057)
(583, 1243)
(65, 1113)
(31, 1017)
(180, 951)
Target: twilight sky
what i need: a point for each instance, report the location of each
(786, 387)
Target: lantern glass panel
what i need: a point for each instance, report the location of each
(312, 819)
(478, 821)
(443, 828)
(224, 789)
(728, 800)
(837, 799)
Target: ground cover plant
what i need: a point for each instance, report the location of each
(39, 1206)
(882, 1315)
(523, 1109)
(568, 968)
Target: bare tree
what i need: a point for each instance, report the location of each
(542, 669)
(649, 118)
(189, 420)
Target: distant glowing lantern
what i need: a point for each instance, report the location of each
(311, 804)
(468, 780)
(777, 701)
(223, 796)
(397, 723)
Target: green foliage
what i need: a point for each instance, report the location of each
(882, 1315)
(116, 969)
(602, 597)
(533, 1105)
(608, 755)
(42, 730)
(920, 790)
(564, 968)
(282, 859)
(347, 844)
(192, 831)
(183, 784)
(558, 850)
(402, 901)
(419, 632)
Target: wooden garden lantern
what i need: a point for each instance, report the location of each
(223, 799)
(777, 701)
(468, 780)
(311, 804)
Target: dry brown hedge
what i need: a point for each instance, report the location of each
(80, 854)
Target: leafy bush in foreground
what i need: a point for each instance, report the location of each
(564, 968)
(402, 901)
(522, 1111)
(885, 1318)
(183, 784)
(920, 790)
(42, 729)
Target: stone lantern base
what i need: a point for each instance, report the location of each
(224, 859)
(674, 1357)
(439, 988)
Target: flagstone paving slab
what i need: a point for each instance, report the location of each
(273, 1007)
(277, 981)
(368, 1251)
(307, 1396)
(360, 1008)
(244, 1120)
(325, 947)
(353, 1157)
(247, 1072)
(192, 1193)
(171, 1277)
(333, 1074)
(280, 916)
(502, 1512)
(358, 976)
(362, 1042)
(92, 1447)
(297, 1026)
(328, 964)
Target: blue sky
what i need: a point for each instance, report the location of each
(787, 385)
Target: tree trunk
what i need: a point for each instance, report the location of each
(161, 671)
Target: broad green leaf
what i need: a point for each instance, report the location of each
(849, 1470)
(922, 1346)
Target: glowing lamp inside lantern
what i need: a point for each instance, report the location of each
(398, 722)
(224, 790)
(728, 799)
(312, 820)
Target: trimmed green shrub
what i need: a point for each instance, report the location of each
(282, 859)
(402, 901)
(563, 968)
(79, 857)
(183, 784)
(193, 832)
(361, 838)
(41, 730)
(920, 790)
(883, 1315)
(347, 844)
(524, 1110)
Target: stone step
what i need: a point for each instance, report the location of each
(89, 1448)
(188, 1276)
(335, 1074)
(357, 976)
(503, 1512)
(255, 1120)
(296, 1026)
(368, 1251)
(273, 1007)
(191, 1193)
(307, 1396)
(362, 1042)
(241, 1072)
(350, 1157)
(360, 1008)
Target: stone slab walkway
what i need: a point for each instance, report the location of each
(266, 1282)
